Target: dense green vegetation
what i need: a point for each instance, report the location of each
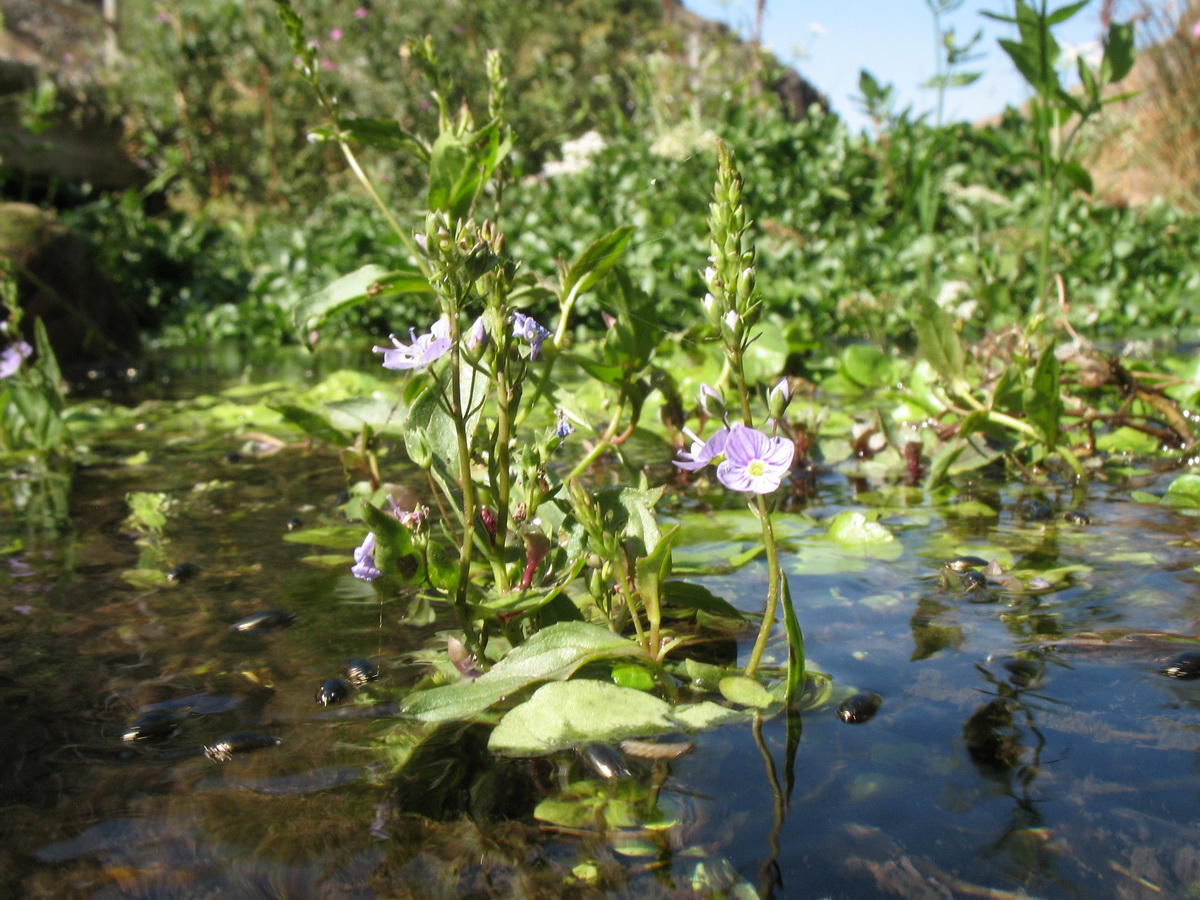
(853, 229)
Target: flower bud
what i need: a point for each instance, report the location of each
(418, 448)
(476, 337)
(779, 398)
(745, 284)
(712, 403)
(731, 327)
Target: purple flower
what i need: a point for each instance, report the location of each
(1196, 29)
(563, 429)
(336, 34)
(361, 13)
(424, 349)
(11, 356)
(753, 462)
(364, 560)
(702, 452)
(525, 328)
(476, 335)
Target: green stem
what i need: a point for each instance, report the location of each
(768, 620)
(405, 236)
(468, 494)
(595, 453)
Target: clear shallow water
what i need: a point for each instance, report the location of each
(1070, 774)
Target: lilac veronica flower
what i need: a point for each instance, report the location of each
(364, 560)
(526, 328)
(11, 356)
(702, 452)
(424, 349)
(754, 463)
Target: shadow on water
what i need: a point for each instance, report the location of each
(1026, 742)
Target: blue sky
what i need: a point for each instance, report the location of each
(829, 41)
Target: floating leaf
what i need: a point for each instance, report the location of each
(1183, 492)
(851, 527)
(745, 691)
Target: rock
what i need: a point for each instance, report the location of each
(60, 282)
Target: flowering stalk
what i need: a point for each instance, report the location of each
(733, 308)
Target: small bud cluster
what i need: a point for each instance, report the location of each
(730, 305)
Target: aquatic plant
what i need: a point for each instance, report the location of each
(546, 570)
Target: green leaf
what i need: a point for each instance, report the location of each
(1063, 13)
(687, 595)
(459, 167)
(395, 554)
(707, 714)
(866, 366)
(1077, 176)
(630, 513)
(852, 527)
(631, 675)
(939, 468)
(1043, 397)
(558, 650)
(456, 702)
(795, 639)
(1183, 492)
(312, 423)
(744, 691)
(383, 134)
(561, 715)
(652, 571)
(767, 356)
(1118, 52)
(1027, 61)
(368, 283)
(337, 537)
(940, 342)
(595, 261)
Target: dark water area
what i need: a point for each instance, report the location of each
(1026, 743)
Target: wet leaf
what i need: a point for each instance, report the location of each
(633, 676)
(706, 714)
(1183, 492)
(745, 691)
(560, 715)
(852, 527)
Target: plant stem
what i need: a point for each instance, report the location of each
(768, 620)
(468, 493)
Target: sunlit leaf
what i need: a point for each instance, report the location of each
(596, 261)
(371, 282)
(745, 691)
(566, 714)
